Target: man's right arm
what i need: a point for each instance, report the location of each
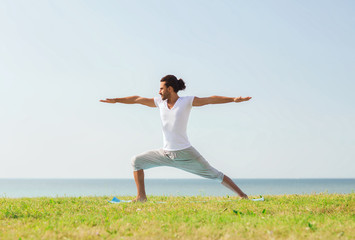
(132, 100)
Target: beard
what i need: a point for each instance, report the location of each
(164, 96)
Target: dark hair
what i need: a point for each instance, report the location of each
(172, 81)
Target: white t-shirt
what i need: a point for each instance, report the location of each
(174, 122)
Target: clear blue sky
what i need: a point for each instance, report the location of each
(295, 58)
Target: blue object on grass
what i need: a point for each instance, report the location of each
(116, 200)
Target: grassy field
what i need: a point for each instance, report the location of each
(321, 216)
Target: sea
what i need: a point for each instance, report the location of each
(21, 188)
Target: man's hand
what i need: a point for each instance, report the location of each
(109, 100)
(241, 99)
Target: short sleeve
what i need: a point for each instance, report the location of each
(190, 100)
(157, 100)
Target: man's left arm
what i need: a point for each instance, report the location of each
(217, 100)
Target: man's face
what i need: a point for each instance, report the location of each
(164, 91)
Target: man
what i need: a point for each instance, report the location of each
(177, 151)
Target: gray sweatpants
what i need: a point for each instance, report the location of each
(188, 159)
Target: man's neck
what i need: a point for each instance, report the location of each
(173, 98)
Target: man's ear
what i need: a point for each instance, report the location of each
(170, 89)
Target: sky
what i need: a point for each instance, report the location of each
(294, 58)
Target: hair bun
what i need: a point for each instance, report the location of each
(181, 84)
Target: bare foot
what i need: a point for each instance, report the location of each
(140, 199)
(244, 196)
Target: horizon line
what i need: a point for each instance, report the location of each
(169, 178)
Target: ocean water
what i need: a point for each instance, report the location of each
(15, 188)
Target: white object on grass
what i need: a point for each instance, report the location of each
(258, 199)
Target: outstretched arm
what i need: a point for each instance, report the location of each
(131, 100)
(217, 99)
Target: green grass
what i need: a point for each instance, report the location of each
(320, 216)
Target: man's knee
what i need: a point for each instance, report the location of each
(136, 163)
